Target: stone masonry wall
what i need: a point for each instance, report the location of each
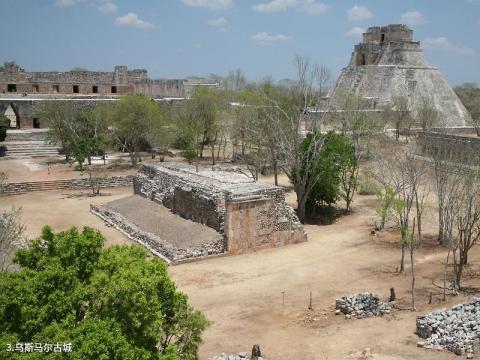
(155, 244)
(249, 215)
(70, 184)
(448, 147)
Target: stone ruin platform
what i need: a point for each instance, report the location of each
(165, 234)
(232, 213)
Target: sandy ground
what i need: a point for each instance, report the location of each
(242, 295)
(263, 297)
(20, 170)
(62, 209)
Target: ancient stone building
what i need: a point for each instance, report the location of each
(388, 63)
(249, 215)
(20, 89)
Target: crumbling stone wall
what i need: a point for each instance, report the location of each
(85, 82)
(249, 215)
(449, 147)
(154, 243)
(15, 188)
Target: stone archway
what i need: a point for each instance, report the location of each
(12, 114)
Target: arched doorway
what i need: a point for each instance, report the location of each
(12, 115)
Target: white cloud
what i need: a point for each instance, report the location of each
(265, 38)
(212, 4)
(218, 22)
(275, 6)
(413, 18)
(443, 44)
(306, 6)
(359, 12)
(221, 24)
(355, 31)
(64, 3)
(107, 7)
(132, 20)
(313, 7)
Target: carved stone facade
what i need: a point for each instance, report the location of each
(388, 63)
(248, 214)
(20, 89)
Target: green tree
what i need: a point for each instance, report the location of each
(109, 303)
(335, 168)
(136, 118)
(82, 129)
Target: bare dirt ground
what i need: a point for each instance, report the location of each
(20, 170)
(62, 209)
(159, 220)
(243, 295)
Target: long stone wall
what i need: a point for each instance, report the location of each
(249, 215)
(16, 188)
(448, 147)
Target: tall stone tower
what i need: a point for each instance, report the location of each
(388, 63)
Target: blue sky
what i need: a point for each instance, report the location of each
(178, 38)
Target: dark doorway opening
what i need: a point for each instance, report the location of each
(35, 88)
(12, 87)
(382, 38)
(36, 123)
(361, 59)
(114, 89)
(76, 89)
(95, 89)
(56, 88)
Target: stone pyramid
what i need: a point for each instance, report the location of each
(388, 63)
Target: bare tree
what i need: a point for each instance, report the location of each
(399, 113)
(412, 243)
(402, 177)
(11, 236)
(288, 112)
(427, 115)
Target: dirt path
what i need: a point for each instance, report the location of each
(242, 295)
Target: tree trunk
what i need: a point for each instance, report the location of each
(213, 153)
(301, 202)
(275, 171)
(402, 260)
(219, 148)
(413, 275)
(445, 277)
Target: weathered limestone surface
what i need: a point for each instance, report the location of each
(448, 147)
(154, 243)
(456, 330)
(361, 305)
(388, 63)
(249, 215)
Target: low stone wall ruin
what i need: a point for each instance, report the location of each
(155, 244)
(16, 188)
(249, 215)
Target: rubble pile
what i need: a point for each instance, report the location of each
(256, 355)
(361, 305)
(456, 330)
